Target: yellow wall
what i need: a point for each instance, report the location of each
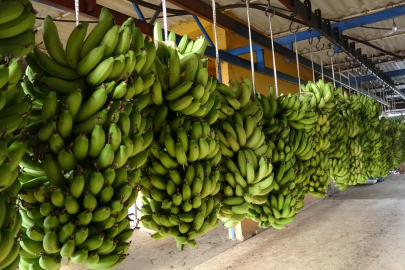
(227, 41)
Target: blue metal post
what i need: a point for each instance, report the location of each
(260, 60)
(203, 30)
(138, 11)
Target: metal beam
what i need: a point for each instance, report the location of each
(204, 11)
(155, 15)
(138, 11)
(304, 12)
(207, 37)
(244, 50)
(367, 78)
(349, 23)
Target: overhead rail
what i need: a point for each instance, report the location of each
(204, 11)
(303, 11)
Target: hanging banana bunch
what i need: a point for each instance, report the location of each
(17, 19)
(90, 130)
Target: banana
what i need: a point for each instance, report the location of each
(54, 68)
(101, 72)
(124, 40)
(74, 44)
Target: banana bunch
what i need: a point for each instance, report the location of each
(180, 181)
(96, 109)
(278, 211)
(86, 221)
(322, 95)
(244, 183)
(184, 84)
(182, 219)
(17, 19)
(10, 224)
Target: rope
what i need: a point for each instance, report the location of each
(251, 48)
(312, 60)
(296, 60)
(348, 78)
(77, 11)
(333, 73)
(322, 67)
(217, 63)
(164, 18)
(274, 58)
(340, 75)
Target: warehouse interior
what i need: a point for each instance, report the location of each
(355, 47)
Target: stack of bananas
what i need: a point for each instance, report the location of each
(370, 143)
(322, 103)
(17, 19)
(246, 172)
(91, 130)
(180, 185)
(184, 78)
(180, 180)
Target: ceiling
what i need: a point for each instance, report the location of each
(336, 12)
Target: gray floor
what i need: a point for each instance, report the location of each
(361, 228)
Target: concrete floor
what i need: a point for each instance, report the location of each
(361, 228)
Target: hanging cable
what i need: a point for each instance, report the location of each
(348, 78)
(250, 45)
(296, 51)
(77, 11)
(272, 47)
(310, 40)
(217, 63)
(164, 18)
(320, 50)
(331, 61)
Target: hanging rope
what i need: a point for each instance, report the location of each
(164, 18)
(272, 47)
(77, 11)
(348, 78)
(250, 45)
(310, 40)
(340, 75)
(331, 61)
(296, 51)
(320, 50)
(217, 63)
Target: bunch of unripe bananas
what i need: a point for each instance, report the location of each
(17, 19)
(91, 128)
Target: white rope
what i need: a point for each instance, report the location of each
(251, 48)
(77, 11)
(214, 17)
(274, 58)
(348, 78)
(340, 76)
(333, 73)
(296, 60)
(322, 68)
(312, 60)
(164, 18)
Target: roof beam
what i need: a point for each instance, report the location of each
(349, 23)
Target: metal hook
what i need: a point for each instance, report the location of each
(319, 41)
(311, 39)
(268, 8)
(292, 16)
(330, 47)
